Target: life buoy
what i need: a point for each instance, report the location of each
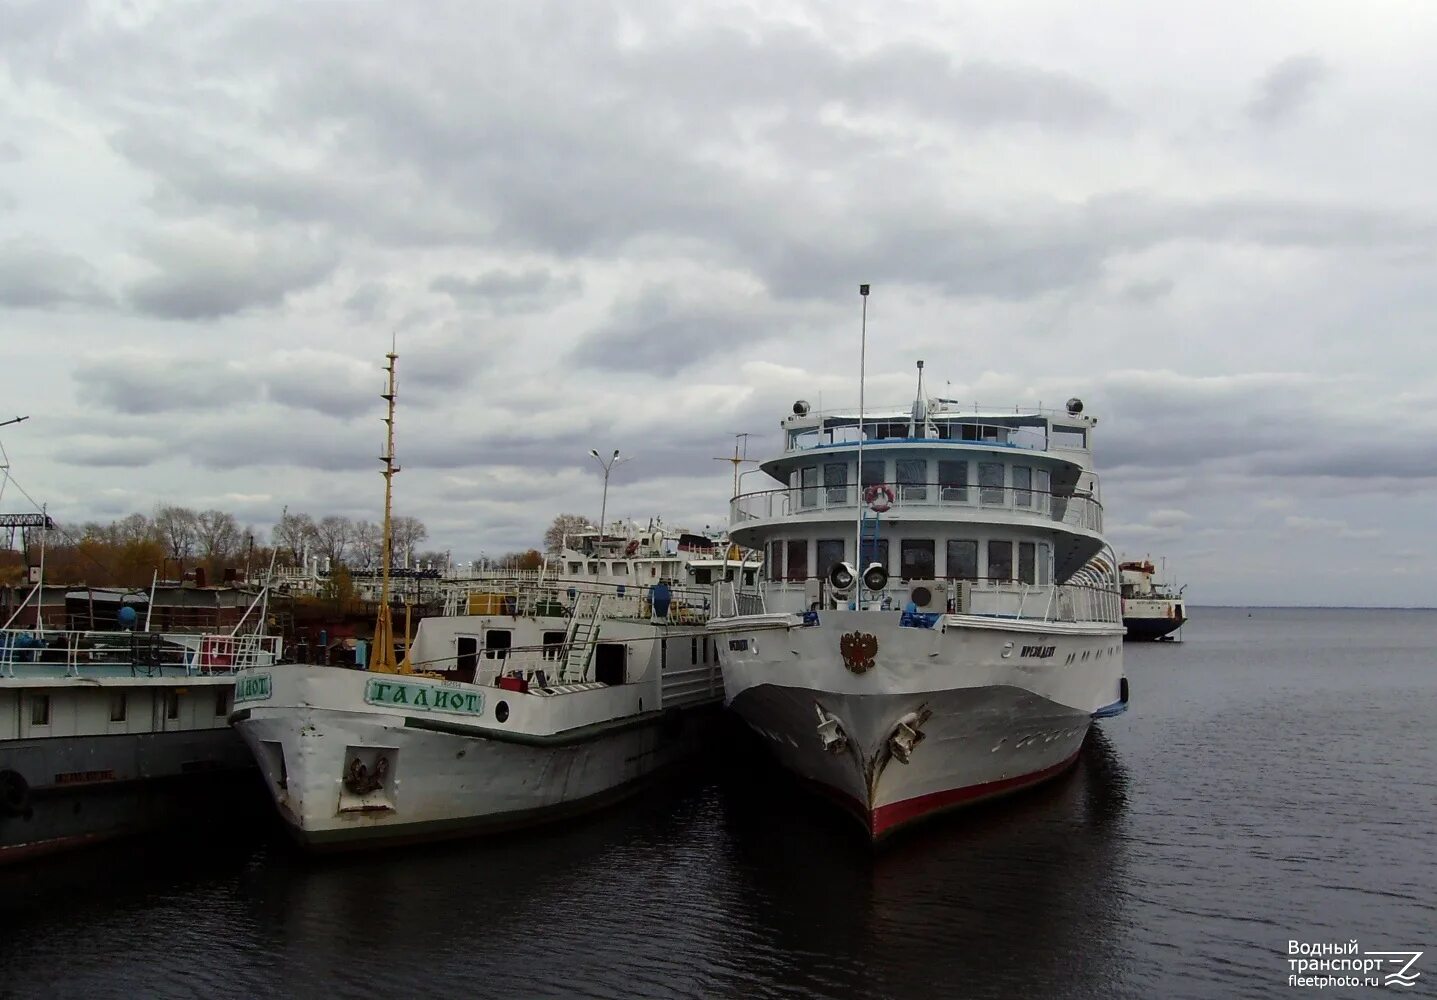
(14, 793)
(216, 653)
(631, 548)
(879, 497)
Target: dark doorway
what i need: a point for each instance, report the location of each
(468, 660)
(609, 662)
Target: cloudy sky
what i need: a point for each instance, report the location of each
(641, 226)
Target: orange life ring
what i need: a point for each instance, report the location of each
(879, 497)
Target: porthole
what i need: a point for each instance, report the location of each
(501, 711)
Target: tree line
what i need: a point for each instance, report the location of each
(175, 541)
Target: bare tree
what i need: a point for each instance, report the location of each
(218, 536)
(178, 529)
(334, 535)
(405, 534)
(292, 534)
(564, 524)
(368, 541)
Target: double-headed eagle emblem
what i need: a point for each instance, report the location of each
(858, 649)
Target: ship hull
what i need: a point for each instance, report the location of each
(941, 719)
(1150, 629)
(1149, 618)
(446, 776)
(116, 786)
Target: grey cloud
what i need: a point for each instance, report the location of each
(145, 384)
(715, 70)
(366, 300)
(206, 272)
(508, 291)
(659, 331)
(96, 451)
(1286, 88)
(34, 275)
(10, 151)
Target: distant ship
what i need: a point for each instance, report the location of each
(1150, 609)
(939, 620)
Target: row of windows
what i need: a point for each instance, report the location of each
(1024, 562)
(120, 706)
(911, 475)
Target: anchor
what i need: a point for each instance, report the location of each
(830, 732)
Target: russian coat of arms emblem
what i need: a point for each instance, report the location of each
(858, 649)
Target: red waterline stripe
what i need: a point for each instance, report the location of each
(886, 819)
(37, 848)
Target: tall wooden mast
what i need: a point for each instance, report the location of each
(381, 659)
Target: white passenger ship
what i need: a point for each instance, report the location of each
(964, 653)
(532, 698)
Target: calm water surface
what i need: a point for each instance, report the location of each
(1276, 778)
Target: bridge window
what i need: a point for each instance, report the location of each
(798, 559)
(916, 559)
(953, 482)
(830, 553)
(1069, 437)
(808, 479)
(1022, 486)
(554, 644)
(497, 642)
(835, 482)
(1045, 487)
(1045, 561)
(1027, 557)
(774, 563)
(912, 479)
(962, 559)
(1000, 560)
(873, 472)
(990, 483)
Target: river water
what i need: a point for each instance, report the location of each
(1274, 780)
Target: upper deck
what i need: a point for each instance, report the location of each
(937, 424)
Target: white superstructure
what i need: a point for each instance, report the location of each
(965, 650)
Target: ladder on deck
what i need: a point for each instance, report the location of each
(583, 633)
(868, 533)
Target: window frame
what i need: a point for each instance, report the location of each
(907, 545)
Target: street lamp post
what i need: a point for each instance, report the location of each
(608, 467)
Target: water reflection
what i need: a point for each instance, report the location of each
(1017, 892)
(730, 882)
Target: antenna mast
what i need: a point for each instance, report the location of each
(738, 459)
(381, 658)
(858, 486)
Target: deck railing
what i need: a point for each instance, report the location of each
(1078, 509)
(528, 596)
(74, 652)
(995, 597)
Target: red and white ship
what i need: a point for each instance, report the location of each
(965, 651)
